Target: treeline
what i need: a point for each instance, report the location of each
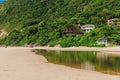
(41, 22)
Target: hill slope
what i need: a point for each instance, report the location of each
(42, 21)
(29, 11)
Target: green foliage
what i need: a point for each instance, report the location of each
(41, 22)
(13, 38)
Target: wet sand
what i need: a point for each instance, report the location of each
(19, 63)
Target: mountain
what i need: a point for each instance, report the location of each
(42, 21)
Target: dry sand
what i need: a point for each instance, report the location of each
(22, 64)
(105, 49)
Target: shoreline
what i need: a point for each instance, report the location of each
(20, 63)
(81, 48)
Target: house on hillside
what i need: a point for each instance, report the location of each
(87, 27)
(105, 41)
(118, 23)
(114, 21)
(72, 30)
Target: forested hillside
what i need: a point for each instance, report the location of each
(41, 22)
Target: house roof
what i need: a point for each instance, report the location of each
(86, 25)
(72, 29)
(114, 19)
(103, 39)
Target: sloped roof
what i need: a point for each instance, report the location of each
(114, 19)
(72, 29)
(103, 39)
(86, 25)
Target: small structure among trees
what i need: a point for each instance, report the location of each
(72, 30)
(114, 21)
(87, 27)
(104, 41)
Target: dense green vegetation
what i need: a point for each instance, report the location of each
(41, 22)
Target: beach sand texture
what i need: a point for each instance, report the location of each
(22, 64)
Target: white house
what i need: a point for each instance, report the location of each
(104, 41)
(87, 27)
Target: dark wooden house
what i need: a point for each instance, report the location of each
(72, 30)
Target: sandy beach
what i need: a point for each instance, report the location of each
(20, 63)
